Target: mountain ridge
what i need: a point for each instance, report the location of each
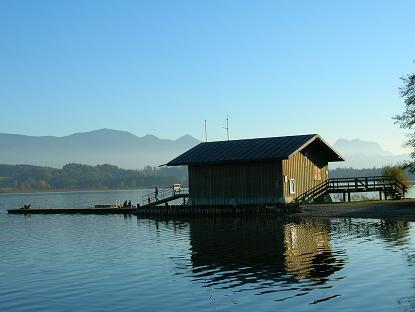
(129, 151)
(95, 147)
(361, 154)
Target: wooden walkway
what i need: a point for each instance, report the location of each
(388, 186)
(72, 211)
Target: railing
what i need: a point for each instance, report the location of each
(366, 184)
(314, 193)
(401, 186)
(151, 198)
(389, 185)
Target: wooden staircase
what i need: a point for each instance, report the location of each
(164, 196)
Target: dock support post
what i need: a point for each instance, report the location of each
(348, 197)
(380, 195)
(344, 196)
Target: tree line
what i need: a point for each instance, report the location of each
(399, 172)
(25, 178)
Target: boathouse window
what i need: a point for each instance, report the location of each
(292, 186)
(317, 173)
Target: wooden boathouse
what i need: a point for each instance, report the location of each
(262, 171)
(248, 177)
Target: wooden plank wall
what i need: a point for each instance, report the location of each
(236, 184)
(302, 168)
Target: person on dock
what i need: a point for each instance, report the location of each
(125, 204)
(156, 192)
(148, 200)
(26, 206)
(129, 204)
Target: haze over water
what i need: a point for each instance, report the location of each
(113, 262)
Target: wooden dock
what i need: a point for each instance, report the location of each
(388, 186)
(171, 210)
(72, 211)
(158, 204)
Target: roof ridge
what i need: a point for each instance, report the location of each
(264, 138)
(246, 150)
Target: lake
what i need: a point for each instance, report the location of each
(113, 262)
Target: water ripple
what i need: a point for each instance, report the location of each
(107, 263)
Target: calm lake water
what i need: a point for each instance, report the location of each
(121, 263)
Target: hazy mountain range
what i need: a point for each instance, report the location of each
(365, 154)
(128, 151)
(103, 146)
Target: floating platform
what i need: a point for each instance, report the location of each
(73, 211)
(171, 210)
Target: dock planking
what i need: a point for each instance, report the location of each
(72, 211)
(169, 210)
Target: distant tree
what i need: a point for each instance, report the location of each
(396, 172)
(406, 120)
(352, 173)
(79, 176)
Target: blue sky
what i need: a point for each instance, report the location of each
(163, 67)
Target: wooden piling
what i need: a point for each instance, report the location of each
(211, 210)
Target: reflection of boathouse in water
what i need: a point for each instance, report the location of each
(275, 254)
(256, 171)
(308, 251)
(239, 252)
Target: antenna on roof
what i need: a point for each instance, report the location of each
(227, 126)
(205, 131)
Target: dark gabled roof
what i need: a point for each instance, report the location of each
(262, 149)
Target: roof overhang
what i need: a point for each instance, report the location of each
(332, 155)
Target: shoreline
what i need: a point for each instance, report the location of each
(374, 209)
(74, 191)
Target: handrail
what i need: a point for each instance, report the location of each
(315, 191)
(151, 198)
(367, 177)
